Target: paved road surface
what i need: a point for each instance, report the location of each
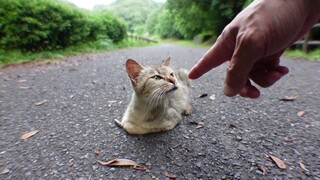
(73, 104)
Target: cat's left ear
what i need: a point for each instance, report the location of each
(166, 62)
(133, 69)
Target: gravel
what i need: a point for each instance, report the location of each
(74, 101)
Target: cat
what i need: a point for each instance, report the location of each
(160, 97)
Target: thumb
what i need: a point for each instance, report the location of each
(216, 55)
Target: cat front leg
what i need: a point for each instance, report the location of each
(172, 119)
(188, 110)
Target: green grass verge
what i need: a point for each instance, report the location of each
(16, 56)
(313, 55)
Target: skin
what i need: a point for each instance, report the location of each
(254, 41)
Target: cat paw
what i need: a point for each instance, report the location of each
(188, 110)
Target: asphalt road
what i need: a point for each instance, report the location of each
(73, 103)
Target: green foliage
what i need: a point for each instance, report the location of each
(134, 12)
(38, 25)
(192, 17)
(166, 26)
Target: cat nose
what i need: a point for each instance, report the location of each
(173, 81)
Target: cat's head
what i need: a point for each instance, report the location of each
(151, 80)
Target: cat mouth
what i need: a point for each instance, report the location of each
(173, 89)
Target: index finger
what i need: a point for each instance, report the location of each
(216, 55)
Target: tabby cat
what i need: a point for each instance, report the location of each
(160, 97)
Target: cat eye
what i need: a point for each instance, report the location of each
(172, 74)
(156, 77)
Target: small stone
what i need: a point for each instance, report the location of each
(198, 164)
(238, 138)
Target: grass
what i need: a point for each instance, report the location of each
(313, 55)
(17, 56)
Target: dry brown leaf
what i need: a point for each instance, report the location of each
(26, 135)
(262, 169)
(171, 176)
(40, 103)
(122, 162)
(301, 113)
(303, 166)
(139, 167)
(289, 98)
(202, 95)
(200, 125)
(278, 161)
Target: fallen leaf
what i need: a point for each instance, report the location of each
(303, 166)
(4, 170)
(122, 162)
(139, 167)
(230, 125)
(202, 95)
(301, 113)
(40, 103)
(212, 97)
(288, 138)
(175, 146)
(289, 98)
(262, 169)
(200, 125)
(278, 161)
(168, 175)
(26, 135)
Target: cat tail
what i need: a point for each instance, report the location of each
(118, 123)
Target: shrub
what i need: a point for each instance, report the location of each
(37, 25)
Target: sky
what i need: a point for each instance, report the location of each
(89, 4)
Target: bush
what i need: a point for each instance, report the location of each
(37, 25)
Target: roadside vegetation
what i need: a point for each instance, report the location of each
(38, 29)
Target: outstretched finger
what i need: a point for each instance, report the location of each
(216, 55)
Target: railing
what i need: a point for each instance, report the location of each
(306, 42)
(140, 38)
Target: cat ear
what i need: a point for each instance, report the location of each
(166, 62)
(133, 69)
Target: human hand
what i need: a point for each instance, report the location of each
(254, 42)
